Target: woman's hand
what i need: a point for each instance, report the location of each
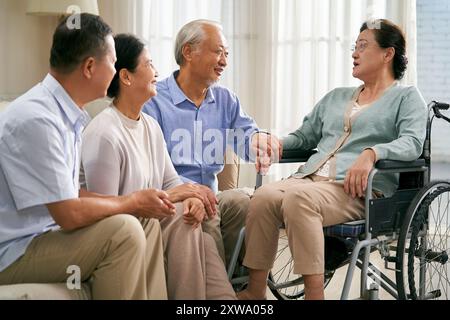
(355, 182)
(193, 212)
(210, 200)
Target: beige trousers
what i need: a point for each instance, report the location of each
(305, 206)
(121, 257)
(224, 228)
(194, 268)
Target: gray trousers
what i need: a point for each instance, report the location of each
(226, 225)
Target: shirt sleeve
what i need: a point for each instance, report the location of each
(35, 163)
(101, 165)
(411, 127)
(242, 129)
(308, 136)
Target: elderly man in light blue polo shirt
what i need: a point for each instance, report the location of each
(200, 118)
(47, 224)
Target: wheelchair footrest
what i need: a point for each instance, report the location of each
(337, 250)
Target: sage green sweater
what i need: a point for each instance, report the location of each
(393, 126)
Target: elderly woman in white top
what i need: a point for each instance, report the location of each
(124, 151)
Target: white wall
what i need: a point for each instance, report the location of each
(433, 33)
(25, 43)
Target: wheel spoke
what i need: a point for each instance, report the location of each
(284, 284)
(423, 245)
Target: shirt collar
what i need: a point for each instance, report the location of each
(74, 114)
(210, 98)
(178, 95)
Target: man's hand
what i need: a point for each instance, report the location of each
(267, 149)
(189, 190)
(184, 191)
(211, 201)
(153, 203)
(193, 212)
(355, 182)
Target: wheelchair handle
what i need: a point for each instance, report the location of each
(437, 107)
(441, 105)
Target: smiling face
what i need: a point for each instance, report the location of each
(368, 57)
(209, 58)
(143, 79)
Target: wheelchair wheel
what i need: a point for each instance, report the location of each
(423, 245)
(284, 284)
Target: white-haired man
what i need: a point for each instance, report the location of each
(199, 118)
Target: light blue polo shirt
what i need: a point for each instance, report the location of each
(196, 138)
(40, 142)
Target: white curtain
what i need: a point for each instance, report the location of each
(285, 54)
(312, 41)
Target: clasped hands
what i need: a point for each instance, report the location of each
(267, 149)
(199, 203)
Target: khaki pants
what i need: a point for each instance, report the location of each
(305, 206)
(224, 228)
(193, 267)
(121, 257)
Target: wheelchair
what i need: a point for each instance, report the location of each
(410, 230)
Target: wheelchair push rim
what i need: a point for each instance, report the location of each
(423, 246)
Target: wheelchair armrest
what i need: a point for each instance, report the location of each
(296, 155)
(289, 156)
(391, 164)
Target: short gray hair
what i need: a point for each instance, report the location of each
(191, 33)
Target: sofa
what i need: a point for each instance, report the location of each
(228, 179)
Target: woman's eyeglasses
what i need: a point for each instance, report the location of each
(360, 46)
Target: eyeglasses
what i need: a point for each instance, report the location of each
(360, 46)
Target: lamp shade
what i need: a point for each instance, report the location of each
(61, 7)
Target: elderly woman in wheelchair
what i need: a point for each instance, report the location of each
(351, 129)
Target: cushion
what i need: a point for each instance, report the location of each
(43, 291)
(97, 106)
(3, 105)
(350, 229)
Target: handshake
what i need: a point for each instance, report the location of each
(266, 149)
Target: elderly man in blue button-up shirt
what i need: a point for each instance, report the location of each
(49, 228)
(200, 118)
